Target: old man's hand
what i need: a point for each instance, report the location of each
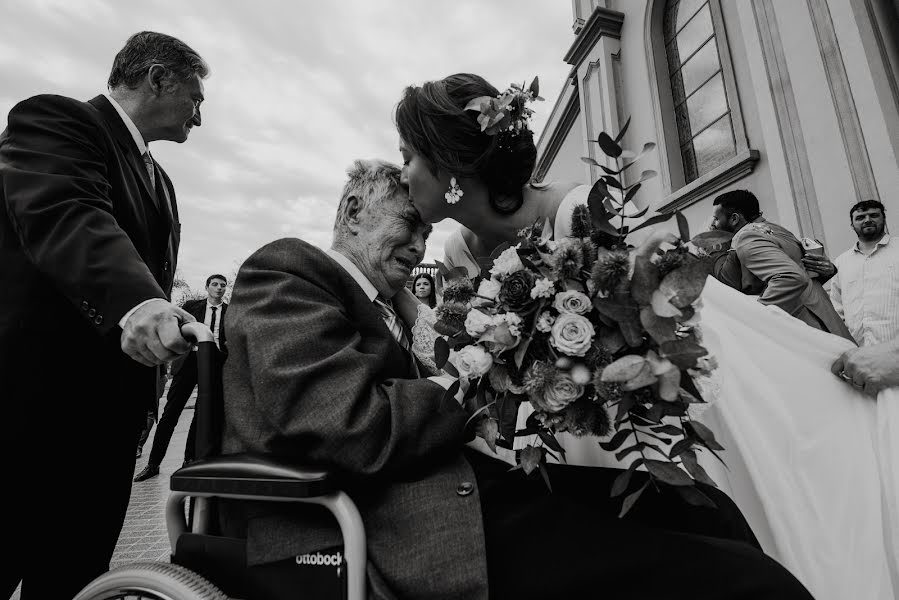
(152, 334)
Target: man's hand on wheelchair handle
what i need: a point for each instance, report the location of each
(152, 335)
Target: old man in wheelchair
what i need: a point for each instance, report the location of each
(393, 500)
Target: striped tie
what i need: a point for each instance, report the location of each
(392, 321)
(151, 171)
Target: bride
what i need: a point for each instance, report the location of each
(811, 462)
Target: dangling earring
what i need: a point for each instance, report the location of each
(454, 193)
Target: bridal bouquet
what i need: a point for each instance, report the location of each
(597, 334)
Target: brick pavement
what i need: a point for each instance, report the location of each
(144, 535)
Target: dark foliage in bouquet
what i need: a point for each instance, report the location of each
(596, 333)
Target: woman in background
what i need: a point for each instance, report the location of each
(424, 290)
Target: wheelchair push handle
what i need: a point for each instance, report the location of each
(197, 332)
(209, 415)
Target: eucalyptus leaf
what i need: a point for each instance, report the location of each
(682, 352)
(609, 146)
(654, 220)
(647, 147)
(668, 429)
(530, 458)
(590, 161)
(680, 447)
(550, 440)
(712, 241)
(488, 429)
(617, 440)
(441, 352)
(630, 194)
(668, 472)
(695, 469)
(534, 88)
(660, 329)
(623, 480)
(631, 499)
(623, 130)
(695, 497)
(705, 434)
(545, 474)
(683, 285)
(682, 226)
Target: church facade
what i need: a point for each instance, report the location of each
(794, 100)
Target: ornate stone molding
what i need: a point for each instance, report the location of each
(787, 114)
(736, 168)
(844, 104)
(603, 22)
(567, 118)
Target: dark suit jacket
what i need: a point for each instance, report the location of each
(83, 236)
(198, 309)
(770, 259)
(314, 377)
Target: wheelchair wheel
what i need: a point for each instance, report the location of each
(150, 581)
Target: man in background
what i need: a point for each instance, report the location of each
(211, 311)
(865, 291)
(89, 237)
(770, 263)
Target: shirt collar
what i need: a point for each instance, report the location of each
(132, 128)
(358, 276)
(881, 242)
(211, 305)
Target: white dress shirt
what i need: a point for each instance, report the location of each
(865, 291)
(218, 319)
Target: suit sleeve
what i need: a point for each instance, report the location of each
(836, 294)
(322, 389)
(58, 197)
(785, 280)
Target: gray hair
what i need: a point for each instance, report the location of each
(371, 182)
(148, 48)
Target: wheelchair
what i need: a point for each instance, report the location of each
(206, 565)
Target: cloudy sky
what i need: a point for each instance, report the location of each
(299, 88)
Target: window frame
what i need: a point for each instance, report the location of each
(678, 192)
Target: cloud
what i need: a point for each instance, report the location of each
(298, 90)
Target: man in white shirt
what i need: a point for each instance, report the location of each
(865, 290)
(89, 236)
(210, 311)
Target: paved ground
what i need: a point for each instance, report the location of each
(144, 536)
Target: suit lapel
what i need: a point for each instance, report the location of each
(129, 149)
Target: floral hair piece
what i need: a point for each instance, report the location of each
(508, 112)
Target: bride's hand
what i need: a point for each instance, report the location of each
(870, 368)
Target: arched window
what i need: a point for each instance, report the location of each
(703, 116)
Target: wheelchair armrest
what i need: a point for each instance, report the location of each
(251, 475)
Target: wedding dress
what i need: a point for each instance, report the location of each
(812, 463)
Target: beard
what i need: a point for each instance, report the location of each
(869, 234)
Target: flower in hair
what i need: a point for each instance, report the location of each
(508, 112)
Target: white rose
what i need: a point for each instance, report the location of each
(572, 334)
(545, 321)
(472, 362)
(573, 302)
(543, 288)
(489, 288)
(506, 263)
(476, 323)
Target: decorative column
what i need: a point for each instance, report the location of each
(594, 56)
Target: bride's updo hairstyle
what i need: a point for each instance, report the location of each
(432, 120)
